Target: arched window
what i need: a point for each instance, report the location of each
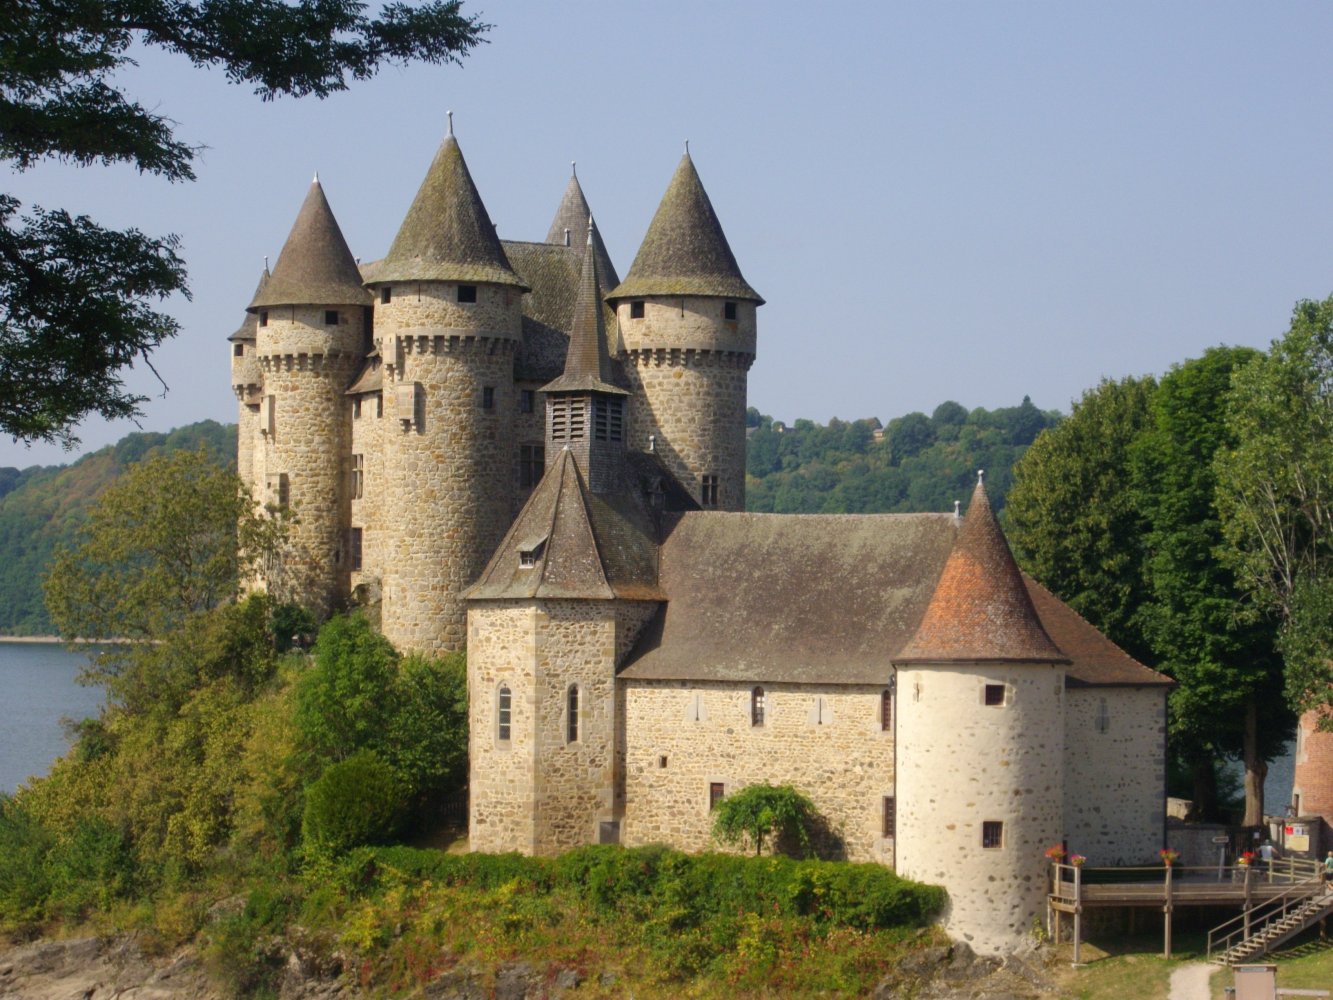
(757, 707)
(572, 716)
(504, 705)
(886, 711)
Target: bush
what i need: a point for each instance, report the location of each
(357, 801)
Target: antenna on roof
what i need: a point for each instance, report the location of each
(574, 167)
(450, 114)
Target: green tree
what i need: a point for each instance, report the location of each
(1275, 495)
(77, 300)
(1228, 701)
(1073, 522)
(759, 813)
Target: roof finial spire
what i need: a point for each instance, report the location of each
(316, 181)
(567, 230)
(574, 167)
(589, 229)
(957, 508)
(981, 477)
(687, 147)
(450, 115)
(266, 263)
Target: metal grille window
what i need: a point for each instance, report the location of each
(708, 491)
(354, 544)
(757, 707)
(572, 716)
(890, 818)
(504, 705)
(992, 833)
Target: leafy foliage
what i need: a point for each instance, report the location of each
(778, 814)
(77, 300)
(355, 801)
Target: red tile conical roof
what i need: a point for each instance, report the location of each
(980, 609)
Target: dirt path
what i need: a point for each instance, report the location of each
(1190, 982)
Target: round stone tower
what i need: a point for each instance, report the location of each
(247, 382)
(687, 338)
(448, 320)
(310, 322)
(980, 736)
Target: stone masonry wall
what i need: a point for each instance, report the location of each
(307, 367)
(962, 763)
(689, 369)
(826, 741)
(448, 459)
(367, 511)
(1115, 774)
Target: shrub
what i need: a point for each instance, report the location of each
(356, 801)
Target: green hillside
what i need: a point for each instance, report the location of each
(43, 506)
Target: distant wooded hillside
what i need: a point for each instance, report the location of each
(43, 506)
(916, 463)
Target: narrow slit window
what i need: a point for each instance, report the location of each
(890, 817)
(757, 707)
(354, 542)
(488, 397)
(504, 707)
(708, 491)
(717, 791)
(992, 834)
(885, 710)
(526, 400)
(572, 716)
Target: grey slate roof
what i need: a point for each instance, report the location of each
(249, 328)
(685, 251)
(573, 215)
(447, 234)
(587, 363)
(315, 267)
(591, 546)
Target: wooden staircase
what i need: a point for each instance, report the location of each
(1259, 930)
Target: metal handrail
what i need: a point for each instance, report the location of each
(1255, 919)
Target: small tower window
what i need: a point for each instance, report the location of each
(994, 694)
(354, 547)
(330, 317)
(572, 716)
(889, 822)
(717, 791)
(467, 293)
(708, 491)
(356, 407)
(885, 711)
(238, 350)
(531, 465)
(757, 707)
(530, 553)
(636, 310)
(526, 400)
(503, 714)
(386, 295)
(992, 833)
(488, 397)
(729, 310)
(280, 488)
(263, 317)
(358, 476)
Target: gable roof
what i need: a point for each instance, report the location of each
(1094, 660)
(572, 218)
(447, 234)
(590, 546)
(980, 609)
(315, 266)
(684, 251)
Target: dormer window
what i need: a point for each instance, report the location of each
(729, 311)
(636, 310)
(467, 293)
(530, 552)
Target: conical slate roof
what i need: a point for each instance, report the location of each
(447, 234)
(581, 545)
(981, 609)
(249, 328)
(685, 251)
(573, 215)
(315, 266)
(587, 363)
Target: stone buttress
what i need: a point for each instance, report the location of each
(310, 322)
(980, 736)
(447, 325)
(686, 318)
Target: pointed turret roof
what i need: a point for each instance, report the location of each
(447, 234)
(685, 251)
(577, 545)
(587, 363)
(249, 328)
(571, 217)
(981, 608)
(315, 266)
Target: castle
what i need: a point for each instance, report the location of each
(502, 444)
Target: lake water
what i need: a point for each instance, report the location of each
(38, 684)
(39, 687)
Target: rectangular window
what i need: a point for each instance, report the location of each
(729, 310)
(504, 709)
(263, 317)
(358, 476)
(526, 400)
(708, 491)
(354, 546)
(386, 295)
(716, 792)
(572, 716)
(890, 819)
(379, 405)
(238, 351)
(608, 419)
(992, 833)
(994, 694)
(885, 710)
(282, 490)
(488, 397)
(330, 317)
(356, 407)
(467, 293)
(636, 310)
(531, 465)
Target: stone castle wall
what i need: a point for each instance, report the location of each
(367, 511)
(307, 366)
(964, 763)
(688, 368)
(448, 458)
(682, 737)
(1115, 774)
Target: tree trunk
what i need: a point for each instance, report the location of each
(1203, 771)
(1256, 768)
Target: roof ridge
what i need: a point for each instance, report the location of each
(315, 266)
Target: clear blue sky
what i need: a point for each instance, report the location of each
(970, 201)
